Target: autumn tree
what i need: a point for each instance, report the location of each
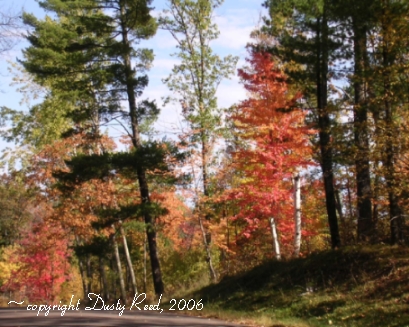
(43, 263)
(390, 102)
(353, 23)
(195, 81)
(274, 147)
(314, 49)
(378, 55)
(101, 69)
(16, 201)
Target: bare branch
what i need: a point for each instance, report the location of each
(10, 24)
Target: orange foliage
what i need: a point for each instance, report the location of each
(274, 145)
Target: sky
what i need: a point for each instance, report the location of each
(235, 19)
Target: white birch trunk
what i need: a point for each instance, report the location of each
(297, 215)
(118, 262)
(82, 271)
(213, 275)
(275, 239)
(128, 258)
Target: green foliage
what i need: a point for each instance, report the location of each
(112, 215)
(196, 78)
(83, 167)
(15, 203)
(295, 27)
(98, 246)
(43, 124)
(183, 272)
(77, 59)
(86, 56)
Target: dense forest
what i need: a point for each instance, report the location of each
(315, 158)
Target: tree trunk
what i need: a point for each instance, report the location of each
(82, 271)
(227, 241)
(276, 243)
(206, 235)
(143, 184)
(339, 206)
(324, 128)
(363, 177)
(351, 211)
(206, 242)
(378, 177)
(104, 280)
(128, 258)
(83, 278)
(396, 221)
(297, 215)
(119, 267)
(112, 264)
(395, 212)
(89, 274)
(144, 266)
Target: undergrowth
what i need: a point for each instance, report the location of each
(351, 287)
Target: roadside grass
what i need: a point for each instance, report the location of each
(352, 287)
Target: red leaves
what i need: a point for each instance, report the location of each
(42, 258)
(274, 145)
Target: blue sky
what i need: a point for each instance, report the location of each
(235, 19)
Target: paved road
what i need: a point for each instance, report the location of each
(21, 317)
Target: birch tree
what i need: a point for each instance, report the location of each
(303, 32)
(274, 146)
(297, 214)
(195, 81)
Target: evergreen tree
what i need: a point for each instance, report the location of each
(305, 46)
(89, 57)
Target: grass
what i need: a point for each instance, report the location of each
(351, 287)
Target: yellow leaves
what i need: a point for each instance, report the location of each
(7, 266)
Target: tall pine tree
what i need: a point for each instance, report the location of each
(90, 54)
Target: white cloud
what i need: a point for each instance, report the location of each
(164, 64)
(230, 93)
(232, 35)
(163, 40)
(235, 26)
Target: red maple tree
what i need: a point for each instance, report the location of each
(42, 258)
(272, 145)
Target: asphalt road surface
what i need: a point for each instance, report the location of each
(22, 317)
